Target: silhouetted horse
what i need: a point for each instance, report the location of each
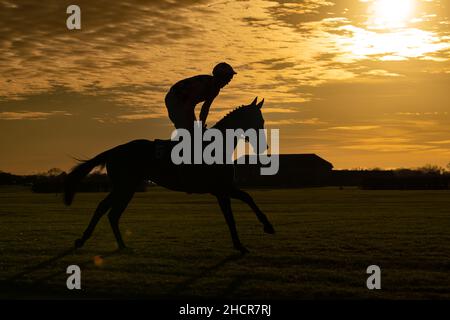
(129, 164)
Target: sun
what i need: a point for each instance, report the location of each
(390, 14)
(390, 34)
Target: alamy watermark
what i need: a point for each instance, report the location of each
(74, 279)
(374, 280)
(73, 22)
(213, 147)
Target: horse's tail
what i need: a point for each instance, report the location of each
(79, 172)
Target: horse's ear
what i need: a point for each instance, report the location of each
(254, 102)
(260, 104)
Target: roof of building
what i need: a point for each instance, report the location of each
(304, 159)
(299, 159)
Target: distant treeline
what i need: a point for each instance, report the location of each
(401, 179)
(312, 171)
(429, 177)
(53, 182)
(365, 179)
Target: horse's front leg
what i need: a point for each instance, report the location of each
(245, 197)
(225, 205)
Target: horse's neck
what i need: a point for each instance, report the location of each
(222, 126)
(227, 123)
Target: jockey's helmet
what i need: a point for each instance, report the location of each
(223, 69)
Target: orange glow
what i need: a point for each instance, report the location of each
(98, 261)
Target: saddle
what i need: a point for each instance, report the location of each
(163, 148)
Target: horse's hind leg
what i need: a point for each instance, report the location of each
(120, 203)
(245, 197)
(102, 208)
(225, 205)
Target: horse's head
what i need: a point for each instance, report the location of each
(246, 117)
(252, 118)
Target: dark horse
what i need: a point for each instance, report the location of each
(131, 163)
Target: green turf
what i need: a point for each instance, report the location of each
(326, 238)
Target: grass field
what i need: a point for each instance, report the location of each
(325, 240)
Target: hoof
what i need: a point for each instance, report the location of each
(126, 249)
(79, 243)
(269, 229)
(242, 249)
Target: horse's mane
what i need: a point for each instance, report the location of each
(230, 114)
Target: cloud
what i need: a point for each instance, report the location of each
(312, 121)
(441, 142)
(388, 147)
(139, 116)
(428, 113)
(29, 115)
(114, 43)
(279, 110)
(353, 128)
(382, 73)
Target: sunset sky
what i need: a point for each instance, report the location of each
(362, 83)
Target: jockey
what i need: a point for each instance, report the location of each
(184, 95)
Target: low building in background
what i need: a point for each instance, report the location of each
(295, 170)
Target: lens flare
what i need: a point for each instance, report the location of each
(98, 261)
